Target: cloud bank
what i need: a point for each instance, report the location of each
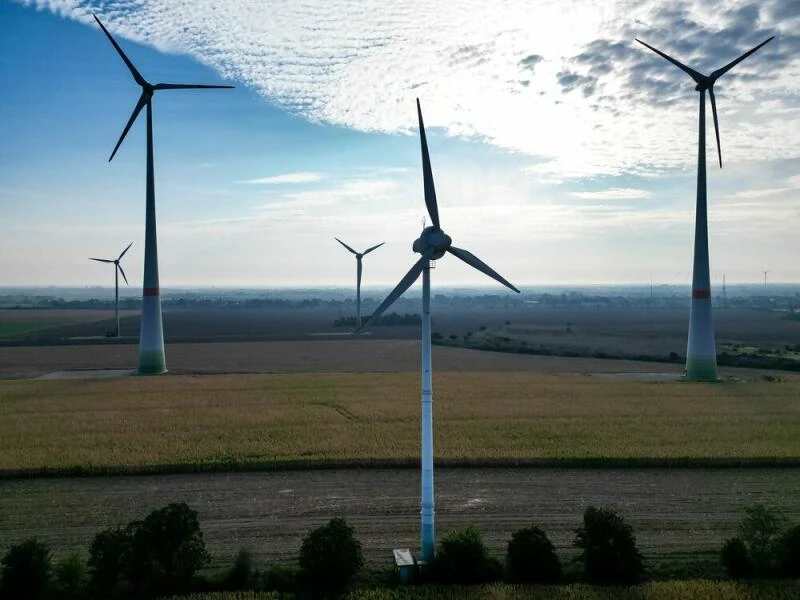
(561, 81)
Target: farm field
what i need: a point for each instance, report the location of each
(45, 323)
(183, 422)
(632, 331)
(681, 517)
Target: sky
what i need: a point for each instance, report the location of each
(563, 152)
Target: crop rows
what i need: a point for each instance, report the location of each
(187, 422)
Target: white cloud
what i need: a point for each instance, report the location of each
(300, 177)
(494, 72)
(613, 194)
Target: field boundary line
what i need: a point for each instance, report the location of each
(401, 463)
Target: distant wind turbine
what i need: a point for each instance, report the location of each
(151, 334)
(117, 271)
(432, 245)
(359, 256)
(701, 354)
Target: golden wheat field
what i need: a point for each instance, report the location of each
(132, 424)
(657, 590)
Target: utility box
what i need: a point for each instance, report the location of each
(405, 563)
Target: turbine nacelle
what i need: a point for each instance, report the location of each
(432, 238)
(706, 82)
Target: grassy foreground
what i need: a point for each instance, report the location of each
(183, 423)
(659, 590)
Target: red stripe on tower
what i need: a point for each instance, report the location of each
(151, 292)
(701, 294)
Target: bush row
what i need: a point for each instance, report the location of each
(162, 554)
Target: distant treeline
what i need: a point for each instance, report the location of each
(392, 319)
(786, 303)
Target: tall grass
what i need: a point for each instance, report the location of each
(234, 421)
(660, 590)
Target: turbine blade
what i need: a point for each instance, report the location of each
(345, 245)
(105, 260)
(121, 270)
(716, 123)
(720, 72)
(405, 283)
(139, 105)
(427, 173)
(474, 261)
(139, 79)
(189, 86)
(368, 250)
(124, 251)
(698, 77)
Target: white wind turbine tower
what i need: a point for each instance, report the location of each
(701, 354)
(117, 271)
(359, 256)
(432, 244)
(151, 333)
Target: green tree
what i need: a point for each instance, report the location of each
(25, 571)
(158, 555)
(531, 558)
(760, 529)
(71, 579)
(462, 558)
(109, 557)
(608, 548)
(330, 557)
(168, 549)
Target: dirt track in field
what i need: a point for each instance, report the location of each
(672, 510)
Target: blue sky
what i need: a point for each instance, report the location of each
(563, 152)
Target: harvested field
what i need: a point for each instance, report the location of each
(146, 424)
(680, 516)
(318, 356)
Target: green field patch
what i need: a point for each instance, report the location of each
(14, 328)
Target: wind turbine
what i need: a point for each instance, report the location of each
(117, 271)
(701, 355)
(359, 256)
(432, 245)
(151, 333)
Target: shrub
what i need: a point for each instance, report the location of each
(462, 558)
(759, 530)
(71, 579)
(26, 571)
(330, 557)
(241, 576)
(280, 578)
(608, 546)
(788, 553)
(531, 558)
(736, 560)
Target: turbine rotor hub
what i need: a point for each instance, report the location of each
(432, 237)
